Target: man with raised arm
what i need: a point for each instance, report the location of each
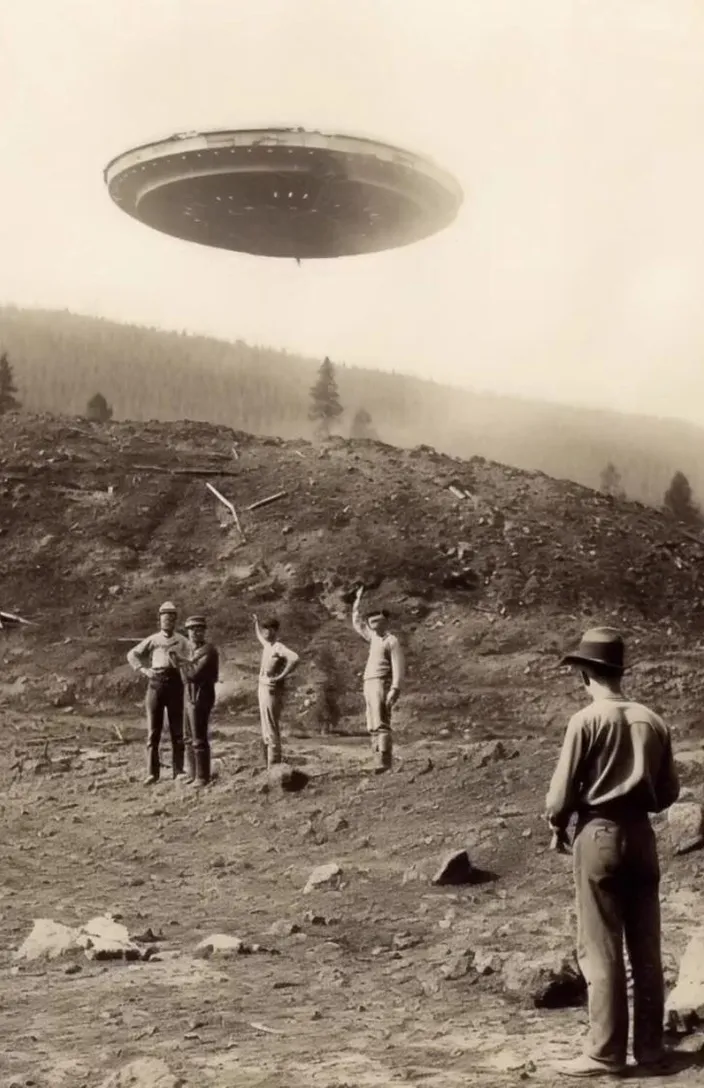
(616, 766)
(152, 658)
(383, 678)
(278, 662)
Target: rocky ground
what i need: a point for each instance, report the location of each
(222, 962)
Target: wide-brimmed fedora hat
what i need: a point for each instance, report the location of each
(603, 646)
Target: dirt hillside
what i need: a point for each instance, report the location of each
(376, 977)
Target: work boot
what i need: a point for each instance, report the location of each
(150, 780)
(274, 757)
(265, 754)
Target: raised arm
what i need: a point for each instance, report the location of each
(360, 625)
(562, 797)
(138, 655)
(258, 630)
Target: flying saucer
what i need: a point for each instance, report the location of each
(284, 192)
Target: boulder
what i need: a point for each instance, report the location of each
(686, 825)
(102, 938)
(684, 1010)
(325, 876)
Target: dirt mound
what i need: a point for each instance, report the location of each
(100, 523)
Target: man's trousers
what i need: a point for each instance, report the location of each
(617, 878)
(165, 696)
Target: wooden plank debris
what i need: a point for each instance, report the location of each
(166, 471)
(10, 618)
(267, 500)
(456, 492)
(228, 506)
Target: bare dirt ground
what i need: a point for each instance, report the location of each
(374, 982)
(355, 992)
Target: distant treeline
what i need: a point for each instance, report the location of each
(61, 360)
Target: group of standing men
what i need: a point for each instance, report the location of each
(616, 767)
(182, 673)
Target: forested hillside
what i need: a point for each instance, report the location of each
(60, 360)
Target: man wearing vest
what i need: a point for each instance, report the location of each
(152, 658)
(201, 672)
(383, 677)
(616, 767)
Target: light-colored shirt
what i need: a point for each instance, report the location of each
(385, 660)
(615, 750)
(275, 658)
(153, 651)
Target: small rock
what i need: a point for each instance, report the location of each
(460, 967)
(487, 962)
(325, 876)
(455, 869)
(285, 778)
(336, 822)
(684, 1010)
(284, 929)
(403, 941)
(547, 982)
(686, 824)
(221, 944)
(143, 1073)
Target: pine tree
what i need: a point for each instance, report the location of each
(362, 426)
(610, 482)
(325, 399)
(98, 410)
(8, 400)
(679, 500)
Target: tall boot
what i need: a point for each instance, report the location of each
(265, 753)
(178, 754)
(202, 766)
(190, 762)
(273, 756)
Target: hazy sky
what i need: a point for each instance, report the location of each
(575, 127)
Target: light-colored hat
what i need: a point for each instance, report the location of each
(168, 607)
(196, 621)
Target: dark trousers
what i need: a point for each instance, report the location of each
(617, 879)
(197, 719)
(165, 696)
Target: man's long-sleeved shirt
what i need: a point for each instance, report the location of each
(275, 658)
(202, 672)
(154, 652)
(614, 752)
(385, 660)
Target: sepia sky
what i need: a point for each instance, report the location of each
(575, 271)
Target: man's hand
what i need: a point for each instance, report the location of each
(392, 698)
(559, 843)
(149, 673)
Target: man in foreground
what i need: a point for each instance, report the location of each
(616, 767)
(278, 662)
(201, 672)
(152, 658)
(383, 677)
